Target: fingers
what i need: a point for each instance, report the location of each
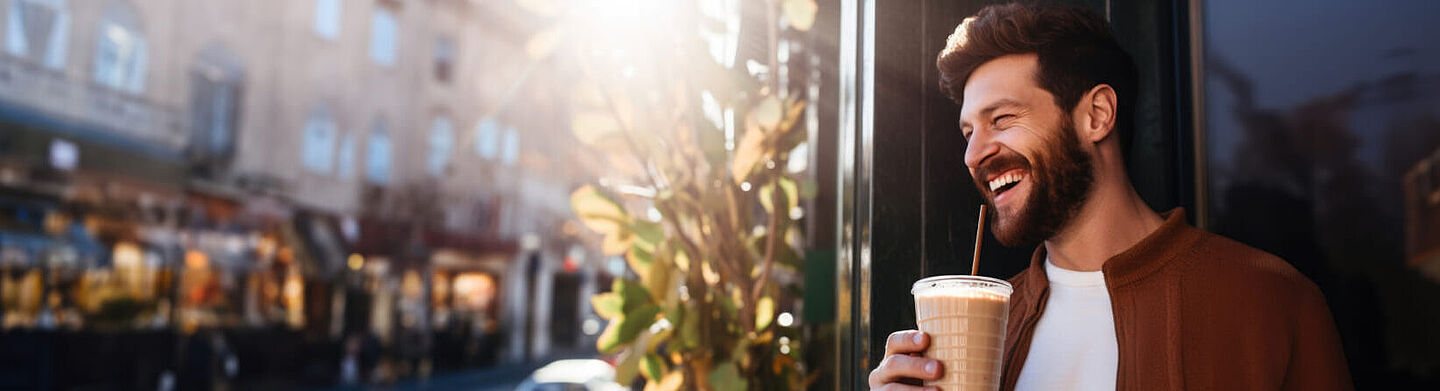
(903, 387)
(898, 366)
(906, 342)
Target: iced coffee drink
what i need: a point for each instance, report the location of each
(965, 317)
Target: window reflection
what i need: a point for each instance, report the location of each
(1319, 125)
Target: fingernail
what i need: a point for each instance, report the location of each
(931, 367)
(918, 337)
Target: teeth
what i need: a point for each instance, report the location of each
(1004, 180)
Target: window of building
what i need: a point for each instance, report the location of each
(120, 50)
(442, 137)
(487, 139)
(216, 85)
(511, 152)
(346, 163)
(38, 30)
(377, 159)
(318, 152)
(327, 18)
(383, 37)
(444, 59)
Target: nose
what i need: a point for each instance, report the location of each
(980, 147)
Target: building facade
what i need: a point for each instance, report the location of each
(349, 144)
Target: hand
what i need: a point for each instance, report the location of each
(903, 361)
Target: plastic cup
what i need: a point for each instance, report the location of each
(965, 317)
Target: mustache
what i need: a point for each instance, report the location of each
(1004, 161)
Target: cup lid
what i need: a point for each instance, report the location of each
(993, 285)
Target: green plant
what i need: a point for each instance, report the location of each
(700, 311)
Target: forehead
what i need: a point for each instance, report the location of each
(1011, 77)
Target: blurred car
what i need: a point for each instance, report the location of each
(572, 375)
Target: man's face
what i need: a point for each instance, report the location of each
(1023, 151)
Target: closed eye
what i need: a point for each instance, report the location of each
(1003, 117)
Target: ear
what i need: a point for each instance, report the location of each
(1095, 114)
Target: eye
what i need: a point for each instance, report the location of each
(1002, 117)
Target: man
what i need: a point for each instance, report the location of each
(1117, 296)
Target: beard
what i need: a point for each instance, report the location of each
(1060, 180)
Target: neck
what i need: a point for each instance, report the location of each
(1113, 219)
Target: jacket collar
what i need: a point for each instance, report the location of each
(1132, 265)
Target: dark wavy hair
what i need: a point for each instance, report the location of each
(1074, 45)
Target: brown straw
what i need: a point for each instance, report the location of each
(979, 236)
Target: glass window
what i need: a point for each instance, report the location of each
(38, 30)
(346, 163)
(442, 137)
(318, 153)
(487, 139)
(383, 31)
(215, 101)
(377, 159)
(1318, 121)
(120, 50)
(511, 153)
(327, 18)
(444, 59)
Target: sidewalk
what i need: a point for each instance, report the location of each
(504, 377)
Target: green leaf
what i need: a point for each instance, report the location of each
(728, 308)
(682, 261)
(660, 279)
(764, 312)
(726, 377)
(652, 367)
(787, 133)
(767, 113)
(791, 196)
(622, 332)
(748, 152)
(604, 216)
(617, 243)
(690, 329)
(633, 296)
(598, 211)
(648, 234)
(652, 343)
(639, 260)
(608, 305)
(628, 367)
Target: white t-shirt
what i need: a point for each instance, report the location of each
(1074, 344)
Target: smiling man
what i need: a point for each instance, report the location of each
(1117, 296)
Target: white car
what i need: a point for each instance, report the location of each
(572, 375)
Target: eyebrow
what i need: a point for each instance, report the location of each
(985, 112)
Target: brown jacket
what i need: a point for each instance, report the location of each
(1197, 311)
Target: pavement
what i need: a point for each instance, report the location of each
(503, 377)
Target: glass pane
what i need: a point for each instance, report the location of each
(383, 37)
(442, 138)
(1322, 119)
(327, 18)
(275, 205)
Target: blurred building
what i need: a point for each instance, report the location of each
(340, 166)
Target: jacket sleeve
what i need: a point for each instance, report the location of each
(1317, 360)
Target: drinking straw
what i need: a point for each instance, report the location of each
(979, 236)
